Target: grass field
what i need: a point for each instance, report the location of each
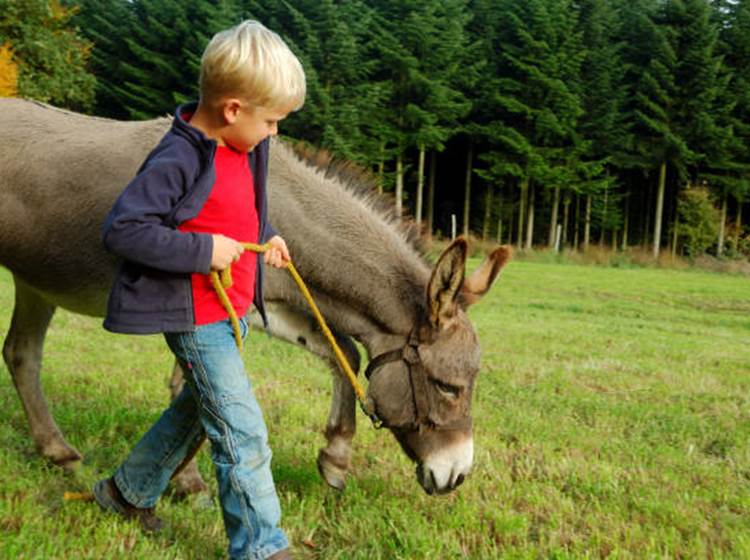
(612, 419)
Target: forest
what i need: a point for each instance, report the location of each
(541, 123)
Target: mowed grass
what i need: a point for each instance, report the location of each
(612, 419)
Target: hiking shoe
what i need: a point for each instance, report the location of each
(109, 498)
(283, 554)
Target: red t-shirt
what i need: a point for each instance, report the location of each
(229, 210)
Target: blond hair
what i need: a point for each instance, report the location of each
(251, 62)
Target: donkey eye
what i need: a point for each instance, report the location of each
(445, 388)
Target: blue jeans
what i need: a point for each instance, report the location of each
(217, 400)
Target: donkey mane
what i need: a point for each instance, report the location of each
(346, 174)
(363, 184)
(350, 176)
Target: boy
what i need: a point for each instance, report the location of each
(195, 198)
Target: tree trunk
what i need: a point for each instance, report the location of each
(420, 186)
(577, 222)
(467, 188)
(500, 218)
(553, 219)
(647, 218)
(722, 225)
(522, 210)
(587, 224)
(659, 209)
(566, 213)
(675, 229)
(738, 227)
(625, 224)
(381, 168)
(530, 222)
(399, 184)
(431, 193)
(487, 213)
(510, 227)
(604, 218)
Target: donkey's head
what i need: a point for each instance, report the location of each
(422, 392)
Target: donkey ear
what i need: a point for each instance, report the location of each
(482, 278)
(445, 283)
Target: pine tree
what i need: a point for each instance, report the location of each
(102, 22)
(156, 65)
(442, 51)
(600, 126)
(537, 102)
(417, 44)
(696, 113)
(735, 48)
(650, 62)
(334, 43)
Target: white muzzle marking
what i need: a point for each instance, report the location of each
(441, 470)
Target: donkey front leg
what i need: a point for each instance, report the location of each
(301, 329)
(333, 460)
(22, 353)
(187, 478)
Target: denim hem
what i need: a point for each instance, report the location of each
(267, 550)
(131, 497)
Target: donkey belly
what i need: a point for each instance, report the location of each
(60, 173)
(52, 241)
(69, 274)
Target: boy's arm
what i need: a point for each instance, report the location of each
(134, 229)
(269, 234)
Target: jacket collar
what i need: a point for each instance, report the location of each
(183, 128)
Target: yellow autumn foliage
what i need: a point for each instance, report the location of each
(8, 72)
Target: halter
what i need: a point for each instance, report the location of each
(418, 381)
(409, 354)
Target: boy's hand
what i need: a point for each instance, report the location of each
(278, 254)
(226, 251)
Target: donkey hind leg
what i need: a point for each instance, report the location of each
(301, 329)
(187, 479)
(22, 353)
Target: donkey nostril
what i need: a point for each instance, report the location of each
(459, 481)
(434, 481)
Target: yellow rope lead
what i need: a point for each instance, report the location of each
(223, 281)
(78, 496)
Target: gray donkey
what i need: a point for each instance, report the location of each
(60, 172)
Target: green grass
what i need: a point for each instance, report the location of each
(612, 418)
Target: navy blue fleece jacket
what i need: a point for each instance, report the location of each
(152, 289)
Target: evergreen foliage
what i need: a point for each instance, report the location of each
(612, 105)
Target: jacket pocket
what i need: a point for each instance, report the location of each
(148, 290)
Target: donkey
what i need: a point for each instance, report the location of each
(60, 172)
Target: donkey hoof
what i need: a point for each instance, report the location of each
(185, 486)
(65, 457)
(71, 464)
(334, 475)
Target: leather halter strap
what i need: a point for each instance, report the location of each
(418, 381)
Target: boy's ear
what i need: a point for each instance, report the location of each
(231, 109)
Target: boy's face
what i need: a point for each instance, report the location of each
(248, 126)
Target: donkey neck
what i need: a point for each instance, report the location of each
(371, 279)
